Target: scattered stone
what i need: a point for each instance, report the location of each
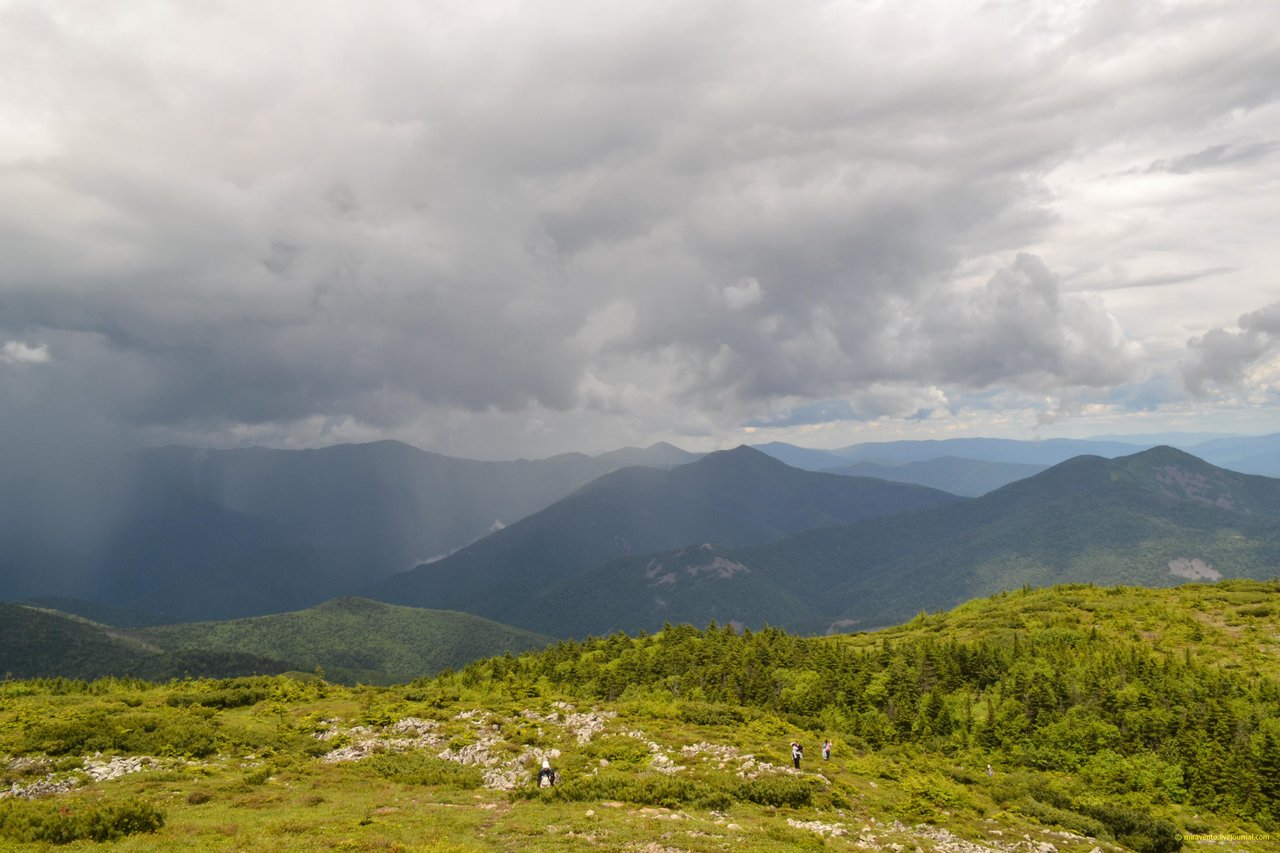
(100, 770)
(404, 735)
(95, 768)
(40, 788)
(832, 829)
(952, 843)
(415, 727)
(662, 762)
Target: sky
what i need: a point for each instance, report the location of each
(513, 229)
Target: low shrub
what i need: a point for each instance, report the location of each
(618, 750)
(776, 791)
(650, 790)
(931, 795)
(1015, 787)
(1140, 830)
(257, 776)
(415, 768)
(235, 697)
(30, 821)
(143, 733)
(1064, 818)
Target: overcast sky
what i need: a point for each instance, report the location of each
(501, 229)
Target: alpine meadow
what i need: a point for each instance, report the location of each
(1077, 717)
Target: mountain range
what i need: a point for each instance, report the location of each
(1155, 518)
(975, 466)
(729, 498)
(176, 535)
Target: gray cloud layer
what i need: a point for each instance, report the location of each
(288, 222)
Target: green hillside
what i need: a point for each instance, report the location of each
(1157, 518)
(36, 643)
(355, 639)
(1071, 720)
(351, 640)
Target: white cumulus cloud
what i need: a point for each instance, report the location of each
(17, 352)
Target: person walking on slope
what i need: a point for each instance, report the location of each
(826, 750)
(546, 773)
(797, 753)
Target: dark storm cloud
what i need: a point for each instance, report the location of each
(239, 217)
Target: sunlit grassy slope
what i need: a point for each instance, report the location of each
(1109, 718)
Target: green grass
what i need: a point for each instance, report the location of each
(650, 767)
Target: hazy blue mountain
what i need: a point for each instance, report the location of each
(1047, 452)
(201, 534)
(660, 455)
(802, 457)
(1255, 454)
(1156, 518)
(733, 497)
(1180, 440)
(967, 477)
(1248, 454)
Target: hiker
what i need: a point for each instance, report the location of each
(826, 750)
(546, 773)
(797, 753)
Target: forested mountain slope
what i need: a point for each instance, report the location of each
(1155, 518)
(348, 639)
(736, 497)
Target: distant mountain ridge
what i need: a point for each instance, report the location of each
(1154, 518)
(1048, 451)
(974, 466)
(197, 535)
(967, 477)
(734, 497)
(1248, 454)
